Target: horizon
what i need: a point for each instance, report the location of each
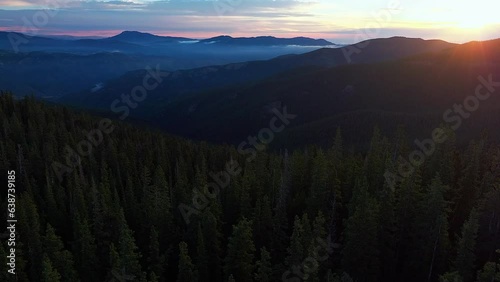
(76, 36)
(341, 22)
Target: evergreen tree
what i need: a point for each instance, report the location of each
(29, 230)
(307, 234)
(469, 184)
(157, 204)
(202, 257)
(85, 250)
(361, 253)
(408, 200)
(336, 152)
(431, 232)
(212, 237)
(180, 191)
(376, 160)
(62, 260)
(153, 277)
(489, 273)
(451, 277)
(280, 222)
(318, 249)
(156, 260)
(262, 222)
(264, 268)
(126, 257)
(464, 262)
(320, 190)
(117, 272)
(387, 233)
(240, 252)
(187, 271)
(49, 274)
(245, 200)
(296, 249)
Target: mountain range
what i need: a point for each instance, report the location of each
(181, 82)
(80, 64)
(356, 87)
(134, 41)
(322, 86)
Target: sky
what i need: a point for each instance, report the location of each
(340, 21)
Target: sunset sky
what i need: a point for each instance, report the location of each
(341, 21)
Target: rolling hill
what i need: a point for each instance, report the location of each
(184, 82)
(147, 43)
(415, 91)
(410, 81)
(53, 67)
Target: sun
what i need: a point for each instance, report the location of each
(469, 16)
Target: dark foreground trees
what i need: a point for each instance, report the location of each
(104, 207)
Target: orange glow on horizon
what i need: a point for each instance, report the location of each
(446, 32)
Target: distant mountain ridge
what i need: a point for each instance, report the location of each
(142, 37)
(370, 51)
(412, 81)
(415, 90)
(188, 82)
(81, 63)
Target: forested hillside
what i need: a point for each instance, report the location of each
(414, 91)
(189, 82)
(139, 205)
(409, 81)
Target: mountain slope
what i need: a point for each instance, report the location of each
(375, 50)
(420, 88)
(415, 91)
(18, 42)
(55, 74)
(50, 67)
(141, 37)
(186, 82)
(140, 42)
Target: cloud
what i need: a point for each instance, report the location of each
(16, 3)
(174, 15)
(341, 20)
(172, 6)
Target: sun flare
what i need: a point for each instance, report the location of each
(469, 16)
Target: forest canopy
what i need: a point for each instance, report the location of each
(312, 214)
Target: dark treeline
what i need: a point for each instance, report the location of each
(317, 214)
